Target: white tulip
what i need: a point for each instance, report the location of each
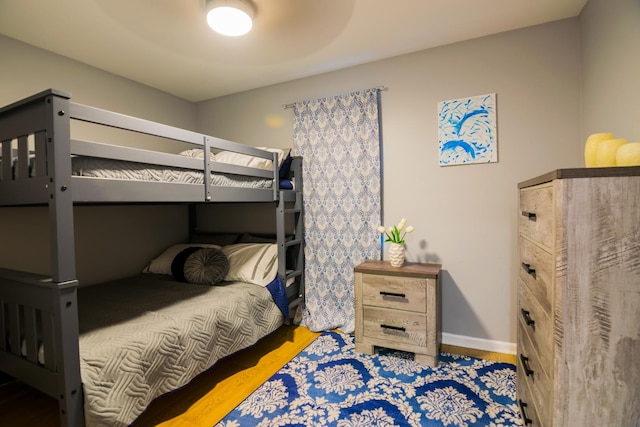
(381, 229)
(402, 223)
(409, 229)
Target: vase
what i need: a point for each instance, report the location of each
(396, 254)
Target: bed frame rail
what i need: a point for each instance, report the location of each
(205, 142)
(36, 150)
(39, 338)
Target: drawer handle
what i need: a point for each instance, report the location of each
(395, 328)
(527, 317)
(529, 270)
(392, 294)
(531, 215)
(526, 419)
(525, 364)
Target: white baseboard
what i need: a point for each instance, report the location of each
(479, 343)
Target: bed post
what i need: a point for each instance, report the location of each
(63, 268)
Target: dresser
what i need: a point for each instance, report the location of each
(578, 323)
(399, 308)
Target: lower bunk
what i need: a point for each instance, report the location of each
(139, 337)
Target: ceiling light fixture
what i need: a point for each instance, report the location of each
(230, 17)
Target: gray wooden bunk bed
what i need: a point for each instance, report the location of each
(39, 314)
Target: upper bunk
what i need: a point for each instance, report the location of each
(42, 163)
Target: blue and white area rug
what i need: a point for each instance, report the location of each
(328, 384)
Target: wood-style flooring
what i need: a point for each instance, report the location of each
(207, 399)
(202, 403)
(480, 354)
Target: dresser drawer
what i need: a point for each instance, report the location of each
(396, 326)
(525, 401)
(536, 323)
(402, 293)
(538, 383)
(536, 219)
(536, 270)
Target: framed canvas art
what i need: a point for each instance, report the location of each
(467, 130)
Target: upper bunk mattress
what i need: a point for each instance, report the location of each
(119, 169)
(147, 335)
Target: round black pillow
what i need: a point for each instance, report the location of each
(207, 266)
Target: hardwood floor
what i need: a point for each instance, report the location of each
(23, 406)
(480, 354)
(202, 403)
(207, 399)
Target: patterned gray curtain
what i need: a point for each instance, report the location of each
(339, 140)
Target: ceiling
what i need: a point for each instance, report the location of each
(166, 44)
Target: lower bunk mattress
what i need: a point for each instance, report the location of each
(144, 336)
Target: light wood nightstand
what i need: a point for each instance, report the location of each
(399, 308)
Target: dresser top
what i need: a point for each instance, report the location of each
(409, 269)
(581, 173)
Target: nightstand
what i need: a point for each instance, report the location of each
(399, 308)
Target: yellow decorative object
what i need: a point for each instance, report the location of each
(628, 154)
(590, 148)
(606, 151)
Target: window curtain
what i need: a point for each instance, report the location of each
(339, 141)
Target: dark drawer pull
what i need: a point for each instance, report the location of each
(526, 419)
(392, 294)
(527, 317)
(530, 215)
(528, 269)
(395, 328)
(525, 364)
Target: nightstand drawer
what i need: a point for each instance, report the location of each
(395, 326)
(536, 214)
(397, 292)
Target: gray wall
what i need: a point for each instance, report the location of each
(464, 216)
(104, 235)
(611, 68)
(25, 70)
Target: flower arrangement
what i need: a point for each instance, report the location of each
(396, 233)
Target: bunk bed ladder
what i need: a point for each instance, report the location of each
(294, 246)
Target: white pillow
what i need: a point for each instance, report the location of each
(250, 161)
(280, 152)
(255, 263)
(162, 264)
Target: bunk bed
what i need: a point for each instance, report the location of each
(48, 323)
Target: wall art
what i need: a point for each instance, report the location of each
(467, 130)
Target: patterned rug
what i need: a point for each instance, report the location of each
(328, 384)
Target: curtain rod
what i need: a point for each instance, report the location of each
(287, 106)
